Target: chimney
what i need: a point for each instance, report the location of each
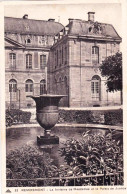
(66, 30)
(91, 16)
(25, 16)
(70, 19)
(51, 20)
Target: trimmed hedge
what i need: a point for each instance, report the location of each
(75, 116)
(17, 116)
(113, 117)
(108, 117)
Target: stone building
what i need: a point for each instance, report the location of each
(27, 46)
(45, 55)
(78, 50)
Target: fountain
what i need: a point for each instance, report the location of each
(47, 116)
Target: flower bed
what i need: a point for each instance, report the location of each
(17, 116)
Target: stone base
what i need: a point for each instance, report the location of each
(46, 140)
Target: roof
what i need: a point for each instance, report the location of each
(11, 43)
(92, 29)
(30, 26)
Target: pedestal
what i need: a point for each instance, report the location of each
(46, 140)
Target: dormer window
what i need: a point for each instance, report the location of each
(28, 41)
(42, 40)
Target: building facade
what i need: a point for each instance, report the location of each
(45, 56)
(27, 46)
(75, 57)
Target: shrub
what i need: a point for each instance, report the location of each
(113, 117)
(16, 116)
(29, 162)
(94, 154)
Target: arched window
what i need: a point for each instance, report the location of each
(95, 55)
(12, 85)
(12, 59)
(42, 61)
(28, 61)
(29, 86)
(96, 88)
(43, 87)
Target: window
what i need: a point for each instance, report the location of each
(95, 88)
(12, 85)
(28, 41)
(42, 40)
(28, 61)
(12, 57)
(42, 87)
(95, 54)
(29, 86)
(42, 61)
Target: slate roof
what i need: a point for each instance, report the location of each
(81, 27)
(30, 26)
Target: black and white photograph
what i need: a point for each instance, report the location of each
(63, 95)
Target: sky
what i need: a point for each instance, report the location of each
(106, 13)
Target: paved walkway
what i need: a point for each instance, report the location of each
(71, 125)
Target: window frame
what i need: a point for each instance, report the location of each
(96, 88)
(43, 87)
(29, 86)
(28, 61)
(12, 60)
(12, 86)
(95, 55)
(43, 61)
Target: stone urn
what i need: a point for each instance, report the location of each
(47, 116)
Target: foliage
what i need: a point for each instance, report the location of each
(75, 116)
(16, 116)
(113, 117)
(111, 68)
(95, 154)
(28, 162)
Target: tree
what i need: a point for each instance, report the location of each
(111, 68)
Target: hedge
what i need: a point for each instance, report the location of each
(113, 117)
(17, 116)
(74, 116)
(109, 117)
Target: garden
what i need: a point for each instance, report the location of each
(92, 159)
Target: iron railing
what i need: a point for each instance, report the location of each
(87, 180)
